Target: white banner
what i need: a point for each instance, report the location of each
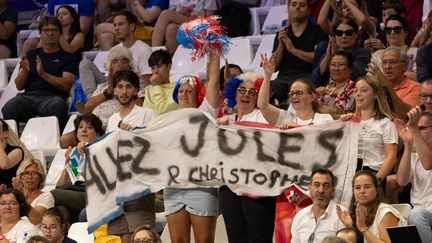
(186, 148)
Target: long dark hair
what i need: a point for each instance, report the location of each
(75, 25)
(373, 207)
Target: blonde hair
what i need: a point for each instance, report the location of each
(381, 107)
(13, 140)
(28, 162)
(316, 107)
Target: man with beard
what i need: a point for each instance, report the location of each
(294, 48)
(319, 220)
(140, 211)
(415, 166)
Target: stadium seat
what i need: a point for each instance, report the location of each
(100, 60)
(266, 46)
(155, 48)
(10, 91)
(55, 170)
(70, 126)
(21, 37)
(12, 126)
(254, 27)
(78, 232)
(403, 208)
(3, 74)
(40, 156)
(274, 19)
(260, 70)
(182, 63)
(42, 133)
(240, 52)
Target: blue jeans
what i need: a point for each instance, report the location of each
(422, 219)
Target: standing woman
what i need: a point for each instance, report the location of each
(72, 39)
(303, 99)
(10, 157)
(246, 219)
(196, 207)
(367, 212)
(378, 138)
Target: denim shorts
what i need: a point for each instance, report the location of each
(197, 201)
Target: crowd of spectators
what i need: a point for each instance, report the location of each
(369, 60)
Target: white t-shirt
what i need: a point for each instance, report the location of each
(304, 224)
(206, 107)
(45, 200)
(421, 180)
(22, 231)
(138, 117)
(254, 116)
(318, 118)
(141, 53)
(382, 210)
(373, 135)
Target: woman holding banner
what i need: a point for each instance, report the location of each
(196, 207)
(378, 136)
(247, 219)
(303, 100)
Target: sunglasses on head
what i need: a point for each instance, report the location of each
(397, 29)
(243, 90)
(346, 32)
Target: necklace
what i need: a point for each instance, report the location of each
(310, 123)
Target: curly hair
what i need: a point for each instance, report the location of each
(234, 82)
(195, 82)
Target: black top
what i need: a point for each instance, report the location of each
(6, 175)
(68, 240)
(292, 66)
(54, 63)
(10, 15)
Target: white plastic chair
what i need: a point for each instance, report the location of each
(3, 74)
(240, 52)
(78, 232)
(182, 63)
(55, 170)
(274, 18)
(40, 156)
(260, 71)
(10, 90)
(42, 133)
(12, 126)
(265, 47)
(70, 126)
(403, 208)
(155, 48)
(100, 60)
(254, 27)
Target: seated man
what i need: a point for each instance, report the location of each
(424, 63)
(46, 74)
(319, 219)
(415, 166)
(158, 95)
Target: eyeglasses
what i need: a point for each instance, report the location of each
(389, 30)
(298, 93)
(52, 30)
(30, 174)
(425, 96)
(421, 128)
(243, 90)
(338, 65)
(45, 227)
(390, 62)
(346, 32)
(146, 240)
(10, 203)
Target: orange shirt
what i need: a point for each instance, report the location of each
(409, 92)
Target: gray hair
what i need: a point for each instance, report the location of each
(402, 53)
(119, 51)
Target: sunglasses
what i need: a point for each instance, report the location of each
(397, 30)
(243, 90)
(346, 32)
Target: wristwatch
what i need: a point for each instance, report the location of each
(107, 95)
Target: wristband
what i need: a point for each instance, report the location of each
(107, 95)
